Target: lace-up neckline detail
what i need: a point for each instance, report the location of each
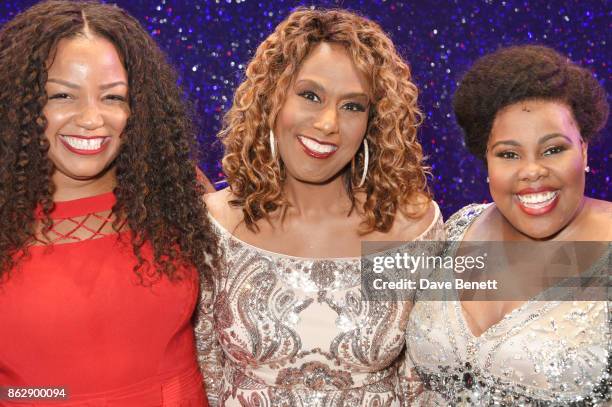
(80, 219)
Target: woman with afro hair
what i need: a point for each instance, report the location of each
(103, 236)
(539, 338)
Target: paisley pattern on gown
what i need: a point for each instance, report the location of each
(292, 331)
(544, 353)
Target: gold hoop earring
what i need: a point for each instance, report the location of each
(272, 145)
(366, 162)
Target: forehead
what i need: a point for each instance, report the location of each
(332, 66)
(532, 119)
(85, 57)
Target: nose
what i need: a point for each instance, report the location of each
(532, 171)
(327, 120)
(90, 117)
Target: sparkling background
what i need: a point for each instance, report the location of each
(210, 42)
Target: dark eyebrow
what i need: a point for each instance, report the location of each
(310, 82)
(506, 142)
(547, 137)
(542, 140)
(320, 88)
(75, 86)
(63, 82)
(112, 85)
(353, 95)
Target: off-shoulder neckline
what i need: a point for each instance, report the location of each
(231, 236)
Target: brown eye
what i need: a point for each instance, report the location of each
(59, 96)
(507, 155)
(354, 107)
(308, 95)
(553, 150)
(118, 98)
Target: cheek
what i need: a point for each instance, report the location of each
(569, 170)
(282, 126)
(289, 116)
(287, 126)
(500, 180)
(353, 130)
(119, 121)
(575, 169)
(116, 118)
(56, 118)
(573, 179)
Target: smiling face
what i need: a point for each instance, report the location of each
(87, 109)
(536, 160)
(324, 116)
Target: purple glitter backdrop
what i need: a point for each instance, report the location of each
(210, 42)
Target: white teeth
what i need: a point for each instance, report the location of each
(537, 200)
(84, 144)
(317, 147)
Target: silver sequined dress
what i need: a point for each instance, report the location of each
(544, 353)
(292, 331)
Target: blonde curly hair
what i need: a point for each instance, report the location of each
(396, 178)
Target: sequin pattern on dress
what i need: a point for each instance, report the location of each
(290, 331)
(544, 353)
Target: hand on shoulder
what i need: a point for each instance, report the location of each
(217, 204)
(415, 219)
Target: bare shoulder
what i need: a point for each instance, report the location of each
(600, 217)
(602, 208)
(218, 206)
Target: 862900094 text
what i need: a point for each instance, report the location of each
(33, 393)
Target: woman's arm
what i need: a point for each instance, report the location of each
(210, 354)
(409, 384)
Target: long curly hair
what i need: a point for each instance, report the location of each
(396, 175)
(157, 194)
(513, 74)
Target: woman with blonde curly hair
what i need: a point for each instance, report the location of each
(321, 154)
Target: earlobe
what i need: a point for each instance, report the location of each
(585, 153)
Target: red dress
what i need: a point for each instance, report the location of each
(74, 315)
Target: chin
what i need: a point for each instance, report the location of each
(313, 181)
(317, 179)
(538, 230)
(88, 172)
(84, 173)
(538, 234)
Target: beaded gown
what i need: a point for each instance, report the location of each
(544, 353)
(292, 331)
(74, 314)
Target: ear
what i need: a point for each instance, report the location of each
(585, 152)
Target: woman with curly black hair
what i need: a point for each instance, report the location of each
(321, 154)
(530, 114)
(103, 235)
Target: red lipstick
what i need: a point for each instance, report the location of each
(81, 151)
(316, 154)
(536, 207)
